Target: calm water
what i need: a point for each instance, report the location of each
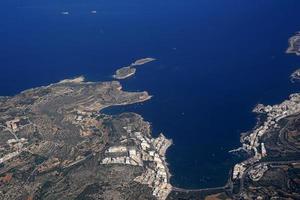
(216, 60)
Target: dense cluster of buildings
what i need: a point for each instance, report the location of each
(258, 172)
(131, 157)
(15, 145)
(145, 150)
(13, 124)
(252, 142)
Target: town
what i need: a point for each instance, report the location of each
(145, 150)
(251, 142)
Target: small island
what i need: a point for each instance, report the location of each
(142, 61)
(294, 44)
(295, 76)
(130, 70)
(124, 72)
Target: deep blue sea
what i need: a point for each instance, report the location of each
(215, 60)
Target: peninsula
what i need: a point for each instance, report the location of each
(56, 144)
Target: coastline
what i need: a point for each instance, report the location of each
(147, 152)
(189, 67)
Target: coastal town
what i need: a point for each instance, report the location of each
(123, 144)
(49, 131)
(252, 141)
(269, 168)
(150, 100)
(56, 142)
(147, 152)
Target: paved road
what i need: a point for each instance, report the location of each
(176, 189)
(229, 185)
